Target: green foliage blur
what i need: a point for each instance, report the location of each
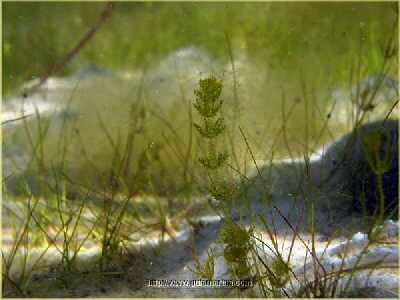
(322, 37)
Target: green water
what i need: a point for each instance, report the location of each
(322, 38)
(297, 53)
(132, 134)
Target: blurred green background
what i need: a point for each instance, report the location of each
(294, 52)
(319, 37)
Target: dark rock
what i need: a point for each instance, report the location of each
(351, 166)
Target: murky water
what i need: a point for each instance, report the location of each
(78, 98)
(168, 84)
